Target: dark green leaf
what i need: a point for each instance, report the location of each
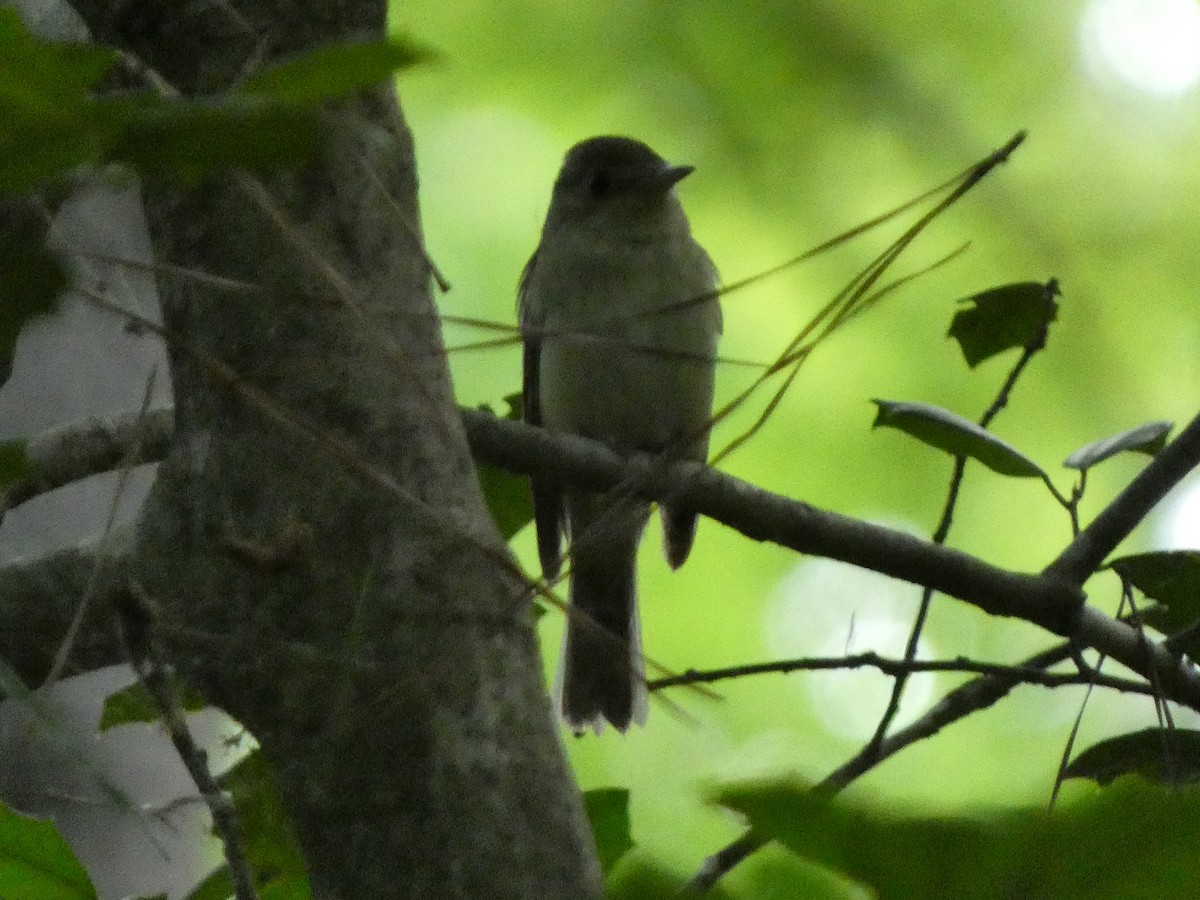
(286, 887)
(1148, 438)
(193, 137)
(50, 123)
(13, 463)
(516, 404)
(944, 430)
(507, 495)
(45, 74)
(1172, 577)
(135, 705)
(1015, 315)
(31, 278)
(508, 499)
(36, 863)
(1171, 758)
(46, 124)
(640, 879)
(217, 886)
(336, 70)
(1017, 853)
(35, 147)
(608, 811)
(512, 407)
(270, 842)
(778, 873)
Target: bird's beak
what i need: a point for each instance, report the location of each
(668, 176)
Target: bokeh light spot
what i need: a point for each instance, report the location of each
(1150, 45)
(829, 609)
(1177, 525)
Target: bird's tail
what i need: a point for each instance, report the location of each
(601, 670)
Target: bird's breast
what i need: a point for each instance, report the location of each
(629, 345)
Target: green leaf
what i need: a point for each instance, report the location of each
(46, 125)
(271, 846)
(336, 70)
(1015, 853)
(14, 465)
(1148, 439)
(1172, 577)
(50, 122)
(508, 499)
(191, 137)
(1015, 315)
(779, 873)
(640, 879)
(269, 840)
(134, 704)
(944, 430)
(217, 886)
(286, 887)
(507, 495)
(643, 881)
(45, 74)
(608, 811)
(36, 863)
(32, 279)
(1170, 758)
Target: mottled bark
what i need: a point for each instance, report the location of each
(317, 543)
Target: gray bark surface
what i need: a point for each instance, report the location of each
(316, 542)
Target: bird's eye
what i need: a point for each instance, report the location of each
(598, 182)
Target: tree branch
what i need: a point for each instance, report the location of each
(1054, 600)
(73, 452)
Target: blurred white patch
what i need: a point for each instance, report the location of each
(1177, 524)
(1150, 45)
(830, 609)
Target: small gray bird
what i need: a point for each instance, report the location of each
(620, 323)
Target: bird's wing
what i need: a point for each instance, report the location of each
(548, 509)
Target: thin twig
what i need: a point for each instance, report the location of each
(139, 620)
(85, 601)
(1025, 674)
(942, 532)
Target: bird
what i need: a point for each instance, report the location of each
(620, 318)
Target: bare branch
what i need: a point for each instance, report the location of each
(1021, 673)
(73, 452)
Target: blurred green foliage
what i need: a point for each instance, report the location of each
(995, 853)
(36, 863)
(804, 120)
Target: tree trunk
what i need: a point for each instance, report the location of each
(316, 542)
